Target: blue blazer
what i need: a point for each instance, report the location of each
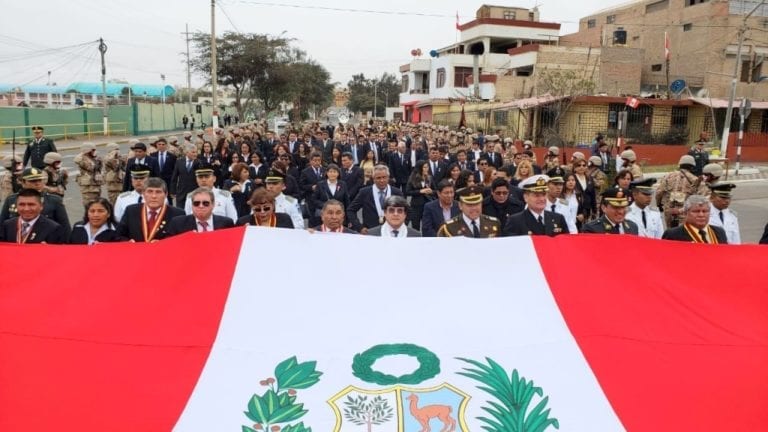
(432, 218)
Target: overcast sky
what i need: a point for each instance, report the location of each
(145, 40)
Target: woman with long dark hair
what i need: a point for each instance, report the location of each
(98, 224)
(420, 188)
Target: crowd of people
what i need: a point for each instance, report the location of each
(382, 179)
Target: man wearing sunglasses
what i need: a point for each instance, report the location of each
(202, 218)
(395, 213)
(224, 205)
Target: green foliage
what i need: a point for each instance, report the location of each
(361, 412)
(278, 404)
(514, 395)
(363, 92)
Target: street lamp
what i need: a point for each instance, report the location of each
(162, 77)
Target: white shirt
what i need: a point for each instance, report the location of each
(92, 238)
(446, 213)
(290, 207)
(563, 207)
(730, 223)
(123, 201)
(468, 221)
(209, 222)
(654, 222)
(386, 230)
(224, 205)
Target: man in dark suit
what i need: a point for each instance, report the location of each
(371, 200)
(395, 213)
(149, 220)
(202, 218)
(437, 166)
(356, 150)
(293, 143)
(475, 151)
(764, 238)
(535, 220)
(30, 226)
(495, 159)
(311, 175)
(416, 153)
(614, 206)
(400, 166)
(351, 175)
(501, 204)
(53, 205)
(166, 161)
(439, 211)
(376, 146)
(326, 144)
(332, 216)
(37, 148)
(140, 158)
(463, 162)
(183, 179)
(696, 227)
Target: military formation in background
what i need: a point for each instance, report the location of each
(382, 179)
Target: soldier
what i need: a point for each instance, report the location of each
(695, 227)
(287, 204)
(599, 177)
(114, 170)
(552, 160)
(37, 148)
(535, 219)
(711, 173)
(648, 219)
(471, 222)
(139, 175)
(699, 155)
(674, 188)
(91, 177)
(224, 204)
(614, 207)
(173, 146)
(56, 178)
(720, 214)
(629, 162)
(53, 205)
(9, 181)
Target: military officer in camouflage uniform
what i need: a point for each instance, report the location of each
(56, 178)
(629, 162)
(711, 173)
(598, 176)
(471, 222)
(37, 148)
(551, 160)
(114, 171)
(90, 177)
(173, 147)
(224, 204)
(674, 188)
(9, 181)
(53, 206)
(275, 183)
(613, 221)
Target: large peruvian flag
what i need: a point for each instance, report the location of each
(281, 330)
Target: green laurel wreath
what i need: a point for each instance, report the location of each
(429, 364)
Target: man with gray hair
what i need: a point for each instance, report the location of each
(202, 219)
(183, 179)
(695, 227)
(395, 213)
(371, 200)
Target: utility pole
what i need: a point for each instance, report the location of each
(375, 91)
(732, 96)
(103, 50)
(215, 119)
(189, 75)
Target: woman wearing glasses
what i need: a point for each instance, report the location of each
(262, 204)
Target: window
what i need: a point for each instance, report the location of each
(764, 122)
(404, 88)
(610, 19)
(500, 117)
(679, 117)
(591, 23)
(440, 78)
(745, 70)
(638, 120)
(694, 2)
(687, 27)
(509, 15)
(657, 6)
(656, 68)
(460, 75)
(548, 116)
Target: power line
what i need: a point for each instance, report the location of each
(336, 9)
(221, 6)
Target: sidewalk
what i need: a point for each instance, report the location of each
(99, 141)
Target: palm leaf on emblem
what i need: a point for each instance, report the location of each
(363, 412)
(514, 395)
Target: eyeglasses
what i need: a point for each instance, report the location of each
(262, 209)
(396, 210)
(201, 203)
(501, 192)
(581, 165)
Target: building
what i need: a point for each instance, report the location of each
(81, 94)
(429, 84)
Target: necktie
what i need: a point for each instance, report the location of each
(645, 222)
(204, 225)
(152, 220)
(395, 233)
(189, 165)
(475, 230)
(722, 217)
(553, 208)
(541, 220)
(616, 229)
(382, 197)
(317, 172)
(703, 235)
(162, 160)
(25, 228)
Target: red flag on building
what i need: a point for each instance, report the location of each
(666, 46)
(632, 102)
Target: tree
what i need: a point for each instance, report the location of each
(364, 413)
(563, 86)
(311, 88)
(363, 92)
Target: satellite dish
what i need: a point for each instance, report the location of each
(343, 118)
(677, 86)
(433, 53)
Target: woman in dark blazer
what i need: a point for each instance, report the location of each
(421, 189)
(98, 225)
(262, 204)
(327, 189)
(585, 187)
(240, 186)
(258, 169)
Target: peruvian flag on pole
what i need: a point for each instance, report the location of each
(666, 46)
(632, 102)
(253, 344)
